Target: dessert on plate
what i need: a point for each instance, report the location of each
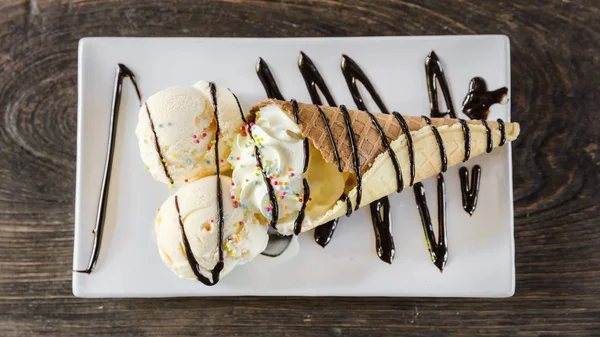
(285, 164)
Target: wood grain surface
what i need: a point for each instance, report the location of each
(555, 84)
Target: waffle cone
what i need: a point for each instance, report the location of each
(376, 167)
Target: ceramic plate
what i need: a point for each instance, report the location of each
(481, 247)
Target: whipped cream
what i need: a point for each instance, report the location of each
(280, 144)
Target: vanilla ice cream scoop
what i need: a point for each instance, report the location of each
(195, 208)
(177, 127)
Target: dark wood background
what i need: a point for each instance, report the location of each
(555, 84)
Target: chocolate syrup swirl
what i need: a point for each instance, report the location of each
(121, 73)
(488, 132)
(315, 83)
(478, 101)
(440, 143)
(355, 158)
(216, 272)
(383, 227)
(467, 135)
(469, 193)
(267, 80)
(438, 249)
(411, 148)
(435, 74)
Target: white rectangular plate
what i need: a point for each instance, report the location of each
(481, 247)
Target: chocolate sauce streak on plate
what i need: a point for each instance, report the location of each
(488, 133)
(300, 217)
(440, 143)
(477, 105)
(353, 74)
(411, 148)
(470, 193)
(315, 83)
(478, 101)
(438, 249)
(380, 217)
(277, 243)
(267, 80)
(121, 73)
(467, 136)
(435, 74)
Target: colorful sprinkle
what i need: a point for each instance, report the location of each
(169, 124)
(174, 155)
(186, 180)
(208, 162)
(189, 161)
(195, 136)
(171, 186)
(160, 125)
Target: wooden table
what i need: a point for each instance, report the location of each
(555, 85)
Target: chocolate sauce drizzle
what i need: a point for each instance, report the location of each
(189, 254)
(435, 74)
(440, 143)
(121, 73)
(381, 224)
(478, 101)
(477, 105)
(315, 83)
(488, 132)
(467, 135)
(333, 144)
(306, 196)
(438, 249)
(470, 193)
(502, 132)
(355, 158)
(353, 73)
(157, 146)
(411, 149)
(267, 80)
(392, 154)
